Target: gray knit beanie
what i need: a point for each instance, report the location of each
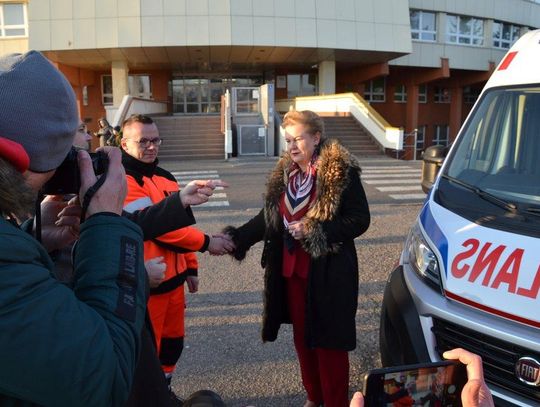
(38, 109)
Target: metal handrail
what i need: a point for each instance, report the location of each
(406, 136)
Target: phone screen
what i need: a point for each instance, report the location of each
(434, 384)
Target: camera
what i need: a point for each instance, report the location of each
(67, 179)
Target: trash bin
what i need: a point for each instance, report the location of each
(432, 160)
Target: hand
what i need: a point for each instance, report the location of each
(297, 229)
(220, 244)
(197, 192)
(192, 283)
(155, 268)
(475, 393)
(357, 400)
(60, 222)
(110, 197)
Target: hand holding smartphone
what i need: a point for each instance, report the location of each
(429, 384)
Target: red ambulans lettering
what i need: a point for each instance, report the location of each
(482, 261)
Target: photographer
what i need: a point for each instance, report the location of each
(61, 347)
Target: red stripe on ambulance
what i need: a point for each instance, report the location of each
(507, 60)
(494, 311)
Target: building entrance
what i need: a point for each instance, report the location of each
(203, 95)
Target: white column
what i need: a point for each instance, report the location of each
(327, 77)
(119, 71)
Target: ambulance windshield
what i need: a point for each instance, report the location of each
(499, 151)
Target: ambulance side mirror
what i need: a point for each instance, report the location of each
(432, 160)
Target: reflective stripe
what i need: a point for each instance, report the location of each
(138, 204)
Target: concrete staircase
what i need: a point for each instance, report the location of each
(190, 137)
(351, 134)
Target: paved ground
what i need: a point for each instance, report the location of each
(223, 348)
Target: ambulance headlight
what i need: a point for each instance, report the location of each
(420, 256)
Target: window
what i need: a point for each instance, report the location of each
(400, 94)
(106, 90)
(423, 26)
(464, 30)
(422, 94)
(138, 85)
(442, 95)
(441, 135)
(13, 20)
(375, 90)
(420, 138)
(301, 85)
(470, 94)
(504, 34)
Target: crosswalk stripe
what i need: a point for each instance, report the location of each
(407, 196)
(399, 171)
(217, 199)
(183, 182)
(193, 172)
(196, 176)
(212, 204)
(393, 167)
(400, 188)
(390, 181)
(384, 175)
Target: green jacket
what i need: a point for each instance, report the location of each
(63, 347)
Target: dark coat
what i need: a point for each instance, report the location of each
(340, 213)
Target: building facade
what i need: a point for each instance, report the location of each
(419, 63)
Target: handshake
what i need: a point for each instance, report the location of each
(221, 244)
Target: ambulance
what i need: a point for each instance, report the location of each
(469, 272)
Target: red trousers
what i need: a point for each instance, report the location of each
(167, 316)
(325, 372)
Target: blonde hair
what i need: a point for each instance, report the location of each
(312, 121)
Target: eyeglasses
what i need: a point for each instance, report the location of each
(145, 142)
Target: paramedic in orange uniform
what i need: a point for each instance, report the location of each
(149, 184)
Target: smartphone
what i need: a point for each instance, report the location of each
(428, 384)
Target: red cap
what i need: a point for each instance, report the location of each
(15, 154)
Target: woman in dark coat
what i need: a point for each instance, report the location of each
(315, 206)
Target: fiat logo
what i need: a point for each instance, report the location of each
(528, 371)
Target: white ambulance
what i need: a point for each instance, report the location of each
(469, 273)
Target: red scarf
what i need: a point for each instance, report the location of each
(295, 203)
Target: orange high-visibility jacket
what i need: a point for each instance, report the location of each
(149, 184)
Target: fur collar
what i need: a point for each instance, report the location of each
(333, 166)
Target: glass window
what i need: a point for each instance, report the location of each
(441, 135)
(498, 149)
(301, 85)
(106, 90)
(375, 90)
(442, 95)
(138, 85)
(464, 30)
(400, 94)
(423, 25)
(420, 138)
(470, 94)
(422, 93)
(504, 34)
(13, 20)
(247, 100)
